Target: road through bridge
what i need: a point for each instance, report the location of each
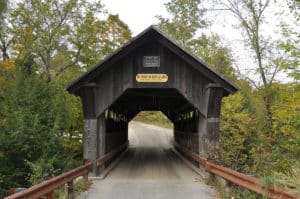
(150, 169)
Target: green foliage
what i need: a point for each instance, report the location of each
(43, 29)
(183, 26)
(240, 193)
(32, 123)
(290, 41)
(3, 9)
(213, 53)
(79, 186)
(238, 133)
(260, 124)
(186, 19)
(54, 41)
(25, 128)
(95, 38)
(291, 183)
(154, 118)
(247, 146)
(41, 169)
(64, 34)
(278, 147)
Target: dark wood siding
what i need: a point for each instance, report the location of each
(122, 75)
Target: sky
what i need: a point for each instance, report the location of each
(137, 14)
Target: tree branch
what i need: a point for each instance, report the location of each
(62, 69)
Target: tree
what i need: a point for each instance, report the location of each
(55, 41)
(186, 19)
(291, 40)
(42, 28)
(64, 34)
(238, 133)
(26, 120)
(3, 7)
(270, 58)
(116, 33)
(39, 119)
(5, 37)
(250, 15)
(184, 24)
(211, 50)
(97, 38)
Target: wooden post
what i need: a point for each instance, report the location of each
(50, 195)
(70, 190)
(209, 123)
(101, 129)
(90, 136)
(86, 176)
(228, 189)
(12, 191)
(90, 142)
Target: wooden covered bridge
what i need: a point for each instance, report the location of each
(151, 72)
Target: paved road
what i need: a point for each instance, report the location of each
(150, 170)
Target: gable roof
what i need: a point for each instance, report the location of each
(137, 41)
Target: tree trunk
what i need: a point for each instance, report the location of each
(5, 55)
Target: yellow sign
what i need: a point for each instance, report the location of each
(151, 77)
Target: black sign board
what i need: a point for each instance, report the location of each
(151, 61)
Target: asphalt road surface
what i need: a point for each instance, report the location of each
(150, 170)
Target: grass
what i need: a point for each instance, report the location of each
(290, 183)
(80, 185)
(155, 118)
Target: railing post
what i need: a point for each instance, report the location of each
(70, 190)
(86, 176)
(228, 189)
(12, 191)
(50, 195)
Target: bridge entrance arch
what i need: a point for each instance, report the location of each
(151, 72)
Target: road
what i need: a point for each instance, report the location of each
(150, 170)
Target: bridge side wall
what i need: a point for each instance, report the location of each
(102, 133)
(116, 130)
(200, 133)
(208, 126)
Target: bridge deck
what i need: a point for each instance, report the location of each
(150, 170)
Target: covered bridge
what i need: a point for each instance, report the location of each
(150, 72)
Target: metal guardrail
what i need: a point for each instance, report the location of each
(47, 187)
(237, 178)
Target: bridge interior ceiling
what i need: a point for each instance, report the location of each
(169, 101)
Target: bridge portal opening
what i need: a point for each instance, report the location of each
(176, 111)
(150, 129)
(156, 118)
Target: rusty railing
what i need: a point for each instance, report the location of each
(237, 178)
(47, 187)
